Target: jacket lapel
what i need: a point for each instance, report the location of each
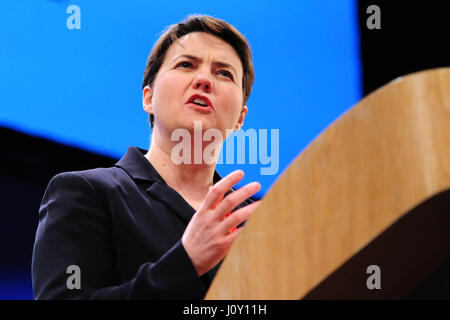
(139, 168)
(172, 199)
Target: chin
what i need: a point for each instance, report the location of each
(190, 125)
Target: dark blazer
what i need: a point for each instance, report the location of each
(122, 227)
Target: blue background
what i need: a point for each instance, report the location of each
(83, 87)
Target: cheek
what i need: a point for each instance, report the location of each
(233, 102)
(168, 89)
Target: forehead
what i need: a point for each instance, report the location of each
(204, 46)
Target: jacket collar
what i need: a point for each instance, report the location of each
(139, 168)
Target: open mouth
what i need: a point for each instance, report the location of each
(200, 101)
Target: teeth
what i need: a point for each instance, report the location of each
(200, 101)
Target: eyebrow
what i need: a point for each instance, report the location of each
(197, 59)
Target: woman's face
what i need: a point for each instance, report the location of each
(199, 80)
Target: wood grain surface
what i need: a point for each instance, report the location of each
(383, 157)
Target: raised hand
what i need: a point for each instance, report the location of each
(210, 233)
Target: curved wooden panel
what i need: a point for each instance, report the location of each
(382, 158)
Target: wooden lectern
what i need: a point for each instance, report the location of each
(372, 191)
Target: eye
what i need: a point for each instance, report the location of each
(225, 73)
(185, 65)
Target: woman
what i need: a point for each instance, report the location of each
(150, 228)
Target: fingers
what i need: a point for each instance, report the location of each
(209, 235)
(232, 200)
(237, 217)
(231, 238)
(217, 192)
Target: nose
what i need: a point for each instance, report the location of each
(203, 82)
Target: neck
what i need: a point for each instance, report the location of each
(190, 180)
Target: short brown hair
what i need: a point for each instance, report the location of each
(201, 23)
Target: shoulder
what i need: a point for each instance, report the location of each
(92, 178)
(106, 186)
(78, 186)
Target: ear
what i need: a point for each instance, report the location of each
(242, 115)
(147, 99)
